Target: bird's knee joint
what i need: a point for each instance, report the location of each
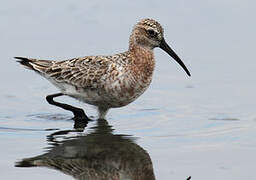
(49, 99)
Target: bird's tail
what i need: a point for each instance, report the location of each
(39, 66)
(25, 163)
(26, 62)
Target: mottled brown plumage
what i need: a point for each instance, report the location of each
(108, 81)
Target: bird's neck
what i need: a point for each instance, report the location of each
(143, 59)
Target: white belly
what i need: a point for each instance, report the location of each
(111, 94)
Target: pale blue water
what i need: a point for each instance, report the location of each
(203, 126)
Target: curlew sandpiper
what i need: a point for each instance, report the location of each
(106, 81)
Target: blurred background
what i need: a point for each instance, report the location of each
(201, 126)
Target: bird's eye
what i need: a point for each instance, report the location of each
(152, 33)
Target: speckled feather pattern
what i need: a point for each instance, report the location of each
(106, 81)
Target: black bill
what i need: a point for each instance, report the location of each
(167, 49)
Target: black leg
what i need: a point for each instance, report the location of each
(78, 113)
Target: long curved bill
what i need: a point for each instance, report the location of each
(164, 46)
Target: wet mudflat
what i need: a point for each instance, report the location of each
(203, 126)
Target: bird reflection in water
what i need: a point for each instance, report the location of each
(98, 155)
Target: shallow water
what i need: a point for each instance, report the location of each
(203, 126)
